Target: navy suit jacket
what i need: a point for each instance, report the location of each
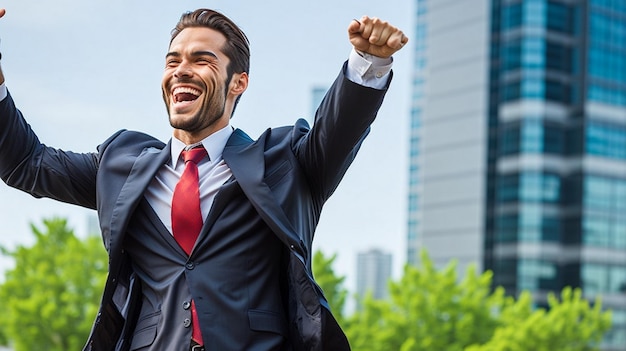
(309, 162)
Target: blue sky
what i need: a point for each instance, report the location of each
(81, 70)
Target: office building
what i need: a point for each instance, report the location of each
(373, 273)
(317, 95)
(518, 144)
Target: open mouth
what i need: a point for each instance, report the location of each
(185, 95)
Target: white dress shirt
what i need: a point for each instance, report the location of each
(212, 174)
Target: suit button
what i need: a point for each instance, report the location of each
(190, 265)
(186, 305)
(187, 323)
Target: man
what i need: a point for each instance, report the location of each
(209, 236)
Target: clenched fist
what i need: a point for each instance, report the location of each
(376, 37)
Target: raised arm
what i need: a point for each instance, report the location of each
(28, 165)
(344, 117)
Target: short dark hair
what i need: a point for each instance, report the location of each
(237, 46)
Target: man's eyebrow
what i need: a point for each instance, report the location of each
(195, 53)
(204, 53)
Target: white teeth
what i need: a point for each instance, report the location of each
(186, 90)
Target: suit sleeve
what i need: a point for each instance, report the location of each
(42, 171)
(342, 122)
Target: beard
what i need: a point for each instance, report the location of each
(211, 110)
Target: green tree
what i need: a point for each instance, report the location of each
(367, 329)
(49, 300)
(331, 284)
(568, 324)
(431, 309)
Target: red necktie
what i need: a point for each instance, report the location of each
(187, 217)
(186, 214)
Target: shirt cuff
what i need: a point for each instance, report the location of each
(3, 91)
(368, 70)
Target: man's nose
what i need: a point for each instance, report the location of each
(183, 70)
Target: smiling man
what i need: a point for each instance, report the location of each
(209, 235)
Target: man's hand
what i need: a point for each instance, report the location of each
(376, 37)
(2, 12)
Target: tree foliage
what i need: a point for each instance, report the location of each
(431, 309)
(568, 324)
(49, 300)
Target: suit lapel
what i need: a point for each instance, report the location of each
(245, 159)
(143, 171)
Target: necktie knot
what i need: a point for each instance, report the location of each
(194, 155)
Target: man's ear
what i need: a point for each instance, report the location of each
(239, 83)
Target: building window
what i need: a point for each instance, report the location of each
(537, 275)
(540, 187)
(560, 17)
(597, 193)
(506, 228)
(559, 58)
(509, 142)
(602, 230)
(596, 231)
(532, 135)
(604, 195)
(537, 226)
(609, 95)
(511, 56)
(607, 48)
(529, 187)
(607, 63)
(611, 5)
(604, 216)
(558, 91)
(512, 16)
(603, 279)
(530, 225)
(535, 88)
(533, 52)
(605, 140)
(535, 13)
(594, 278)
(505, 275)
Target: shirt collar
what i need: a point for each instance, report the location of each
(214, 145)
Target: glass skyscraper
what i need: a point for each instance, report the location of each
(518, 144)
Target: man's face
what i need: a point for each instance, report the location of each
(194, 82)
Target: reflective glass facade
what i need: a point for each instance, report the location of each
(555, 135)
(563, 191)
(606, 51)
